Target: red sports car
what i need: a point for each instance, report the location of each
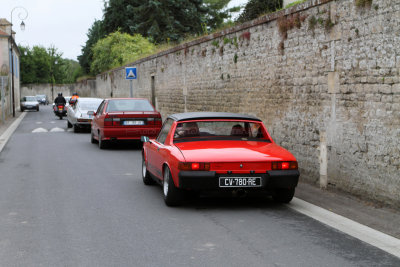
(214, 151)
(124, 119)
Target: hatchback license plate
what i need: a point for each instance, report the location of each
(240, 182)
(133, 122)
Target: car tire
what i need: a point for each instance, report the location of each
(147, 180)
(172, 195)
(69, 125)
(92, 140)
(22, 110)
(76, 128)
(102, 143)
(37, 109)
(283, 195)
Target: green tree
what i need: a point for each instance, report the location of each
(95, 33)
(255, 8)
(118, 49)
(46, 65)
(218, 13)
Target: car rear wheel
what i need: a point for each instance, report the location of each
(69, 125)
(172, 195)
(92, 140)
(102, 143)
(147, 180)
(76, 128)
(283, 195)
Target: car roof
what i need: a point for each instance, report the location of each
(126, 98)
(87, 99)
(211, 115)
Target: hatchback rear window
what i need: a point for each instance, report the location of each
(129, 105)
(219, 130)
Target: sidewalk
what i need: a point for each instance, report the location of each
(383, 219)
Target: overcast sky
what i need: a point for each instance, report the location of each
(62, 23)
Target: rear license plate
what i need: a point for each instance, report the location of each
(60, 109)
(240, 182)
(133, 122)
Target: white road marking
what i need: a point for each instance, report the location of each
(39, 122)
(7, 134)
(39, 130)
(57, 130)
(364, 233)
(70, 130)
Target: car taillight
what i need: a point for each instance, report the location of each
(112, 121)
(154, 121)
(284, 165)
(116, 121)
(194, 166)
(108, 121)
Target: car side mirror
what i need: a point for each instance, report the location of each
(90, 112)
(144, 139)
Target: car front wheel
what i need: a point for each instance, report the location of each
(69, 125)
(147, 180)
(172, 195)
(283, 195)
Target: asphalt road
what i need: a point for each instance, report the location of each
(65, 202)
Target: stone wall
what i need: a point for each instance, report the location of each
(322, 75)
(85, 88)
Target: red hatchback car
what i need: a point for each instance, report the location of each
(124, 119)
(213, 151)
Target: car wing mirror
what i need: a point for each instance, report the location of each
(144, 139)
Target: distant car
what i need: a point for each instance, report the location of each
(29, 103)
(79, 116)
(213, 151)
(124, 119)
(42, 99)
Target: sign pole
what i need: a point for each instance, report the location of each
(130, 74)
(131, 91)
(2, 98)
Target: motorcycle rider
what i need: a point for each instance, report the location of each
(74, 98)
(60, 100)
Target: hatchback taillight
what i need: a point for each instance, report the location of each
(194, 166)
(284, 165)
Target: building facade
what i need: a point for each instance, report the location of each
(9, 71)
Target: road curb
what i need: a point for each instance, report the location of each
(364, 233)
(7, 134)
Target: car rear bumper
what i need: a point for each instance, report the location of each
(209, 180)
(30, 107)
(124, 133)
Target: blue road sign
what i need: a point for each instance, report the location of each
(130, 73)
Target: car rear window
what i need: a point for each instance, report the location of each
(30, 98)
(129, 105)
(90, 105)
(219, 130)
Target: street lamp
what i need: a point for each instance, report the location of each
(21, 16)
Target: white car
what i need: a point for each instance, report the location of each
(29, 102)
(80, 115)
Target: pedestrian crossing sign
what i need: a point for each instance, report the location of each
(130, 73)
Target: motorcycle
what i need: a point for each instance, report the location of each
(59, 110)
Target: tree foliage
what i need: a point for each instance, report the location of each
(255, 8)
(46, 65)
(118, 49)
(95, 33)
(158, 20)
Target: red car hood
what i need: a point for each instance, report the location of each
(233, 151)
